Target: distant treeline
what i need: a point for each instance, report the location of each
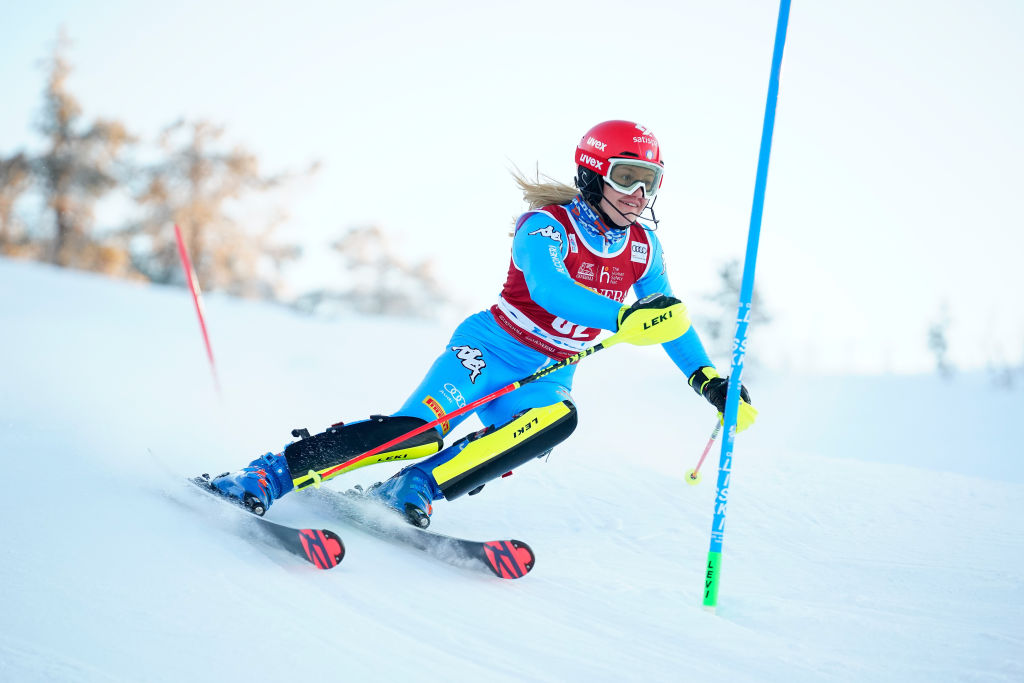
(47, 203)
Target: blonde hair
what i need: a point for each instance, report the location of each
(538, 192)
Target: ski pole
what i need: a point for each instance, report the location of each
(693, 476)
(664, 332)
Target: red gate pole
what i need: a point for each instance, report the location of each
(193, 284)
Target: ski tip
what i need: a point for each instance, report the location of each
(509, 559)
(322, 547)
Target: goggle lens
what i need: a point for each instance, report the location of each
(625, 175)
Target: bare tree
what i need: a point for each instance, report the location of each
(193, 187)
(938, 342)
(717, 330)
(380, 283)
(78, 167)
(1003, 371)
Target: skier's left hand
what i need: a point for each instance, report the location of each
(707, 382)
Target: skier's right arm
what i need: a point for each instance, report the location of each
(539, 249)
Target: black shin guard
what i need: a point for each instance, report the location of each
(311, 456)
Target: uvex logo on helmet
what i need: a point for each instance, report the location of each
(587, 160)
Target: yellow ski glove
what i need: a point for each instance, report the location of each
(655, 319)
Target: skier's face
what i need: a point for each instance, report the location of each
(615, 205)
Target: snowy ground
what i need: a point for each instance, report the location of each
(875, 526)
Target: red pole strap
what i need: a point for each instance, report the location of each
(193, 284)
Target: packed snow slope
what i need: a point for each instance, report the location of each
(875, 525)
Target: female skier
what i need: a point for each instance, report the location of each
(575, 255)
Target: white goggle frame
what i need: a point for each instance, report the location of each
(638, 163)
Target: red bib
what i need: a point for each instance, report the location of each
(611, 275)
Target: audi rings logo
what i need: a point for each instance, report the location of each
(456, 395)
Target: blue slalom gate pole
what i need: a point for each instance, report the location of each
(739, 343)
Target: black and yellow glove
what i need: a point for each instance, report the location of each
(655, 319)
(708, 383)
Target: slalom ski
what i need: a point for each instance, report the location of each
(321, 547)
(507, 559)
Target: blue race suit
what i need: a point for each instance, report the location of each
(482, 356)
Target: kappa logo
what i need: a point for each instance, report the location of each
(549, 232)
(472, 360)
(586, 271)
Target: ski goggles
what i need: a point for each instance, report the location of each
(625, 175)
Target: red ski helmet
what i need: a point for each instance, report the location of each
(614, 143)
(616, 139)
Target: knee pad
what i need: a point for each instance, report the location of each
(487, 455)
(311, 456)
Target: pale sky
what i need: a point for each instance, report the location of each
(895, 171)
